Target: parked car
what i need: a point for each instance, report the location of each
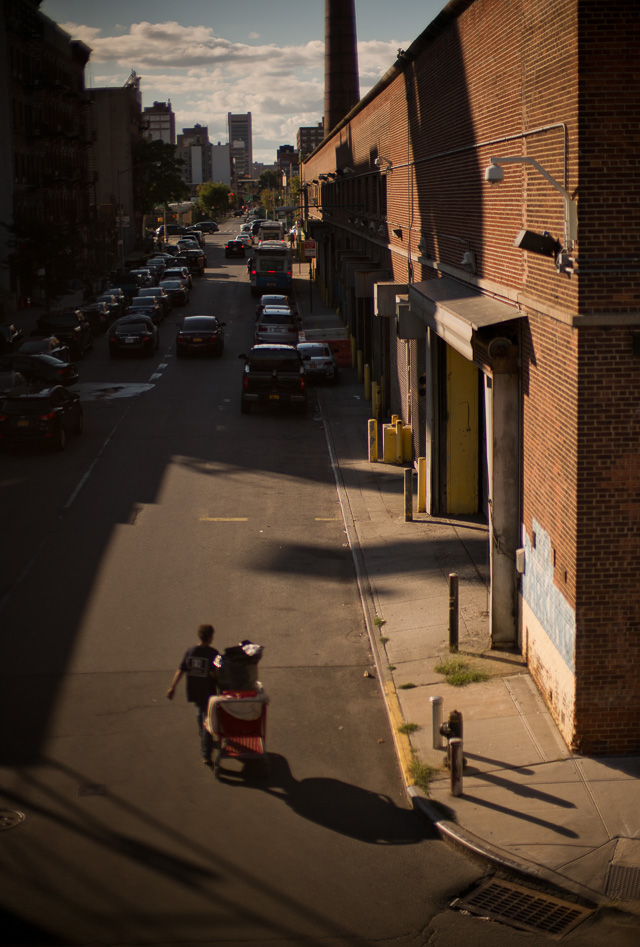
(198, 260)
(10, 338)
(276, 325)
(40, 370)
(319, 361)
(49, 345)
(10, 381)
(181, 273)
(172, 230)
(198, 234)
(271, 299)
(145, 275)
(177, 289)
(98, 315)
(133, 334)
(129, 283)
(115, 302)
(48, 417)
(273, 376)
(157, 292)
(200, 335)
(149, 306)
(234, 248)
(207, 226)
(70, 326)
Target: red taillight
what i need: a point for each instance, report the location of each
(146, 338)
(303, 383)
(48, 416)
(213, 337)
(245, 382)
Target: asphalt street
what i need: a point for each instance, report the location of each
(170, 510)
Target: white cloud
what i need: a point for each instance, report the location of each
(206, 76)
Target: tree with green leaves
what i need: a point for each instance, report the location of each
(213, 198)
(157, 175)
(269, 180)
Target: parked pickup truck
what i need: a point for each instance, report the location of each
(273, 376)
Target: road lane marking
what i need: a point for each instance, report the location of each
(224, 519)
(327, 519)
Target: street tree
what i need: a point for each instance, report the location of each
(269, 180)
(157, 175)
(213, 198)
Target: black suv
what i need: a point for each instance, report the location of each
(273, 376)
(70, 326)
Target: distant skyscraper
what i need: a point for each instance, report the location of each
(159, 123)
(241, 142)
(308, 139)
(195, 149)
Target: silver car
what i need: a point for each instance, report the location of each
(319, 361)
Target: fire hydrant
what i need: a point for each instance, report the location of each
(452, 728)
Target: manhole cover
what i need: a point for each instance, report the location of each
(523, 908)
(9, 818)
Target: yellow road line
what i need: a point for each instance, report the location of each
(402, 741)
(224, 519)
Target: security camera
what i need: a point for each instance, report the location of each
(378, 162)
(494, 174)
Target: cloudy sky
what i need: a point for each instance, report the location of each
(210, 57)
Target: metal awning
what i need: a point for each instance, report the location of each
(455, 312)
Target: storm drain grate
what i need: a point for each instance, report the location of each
(623, 883)
(523, 908)
(9, 818)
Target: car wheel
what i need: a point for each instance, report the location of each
(245, 407)
(80, 423)
(60, 440)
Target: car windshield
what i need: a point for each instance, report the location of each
(143, 302)
(28, 405)
(313, 351)
(172, 284)
(198, 323)
(132, 327)
(269, 361)
(276, 319)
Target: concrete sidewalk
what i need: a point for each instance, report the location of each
(528, 804)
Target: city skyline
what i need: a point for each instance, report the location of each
(221, 61)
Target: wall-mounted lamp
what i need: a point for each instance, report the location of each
(315, 181)
(398, 232)
(372, 226)
(380, 162)
(494, 175)
(382, 230)
(468, 261)
(423, 247)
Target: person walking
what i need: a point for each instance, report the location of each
(197, 664)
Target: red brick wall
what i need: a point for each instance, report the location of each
(559, 83)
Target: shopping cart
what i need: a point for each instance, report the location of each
(238, 721)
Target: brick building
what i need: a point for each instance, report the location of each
(502, 321)
(46, 183)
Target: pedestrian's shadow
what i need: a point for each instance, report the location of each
(338, 806)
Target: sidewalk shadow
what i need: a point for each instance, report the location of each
(338, 806)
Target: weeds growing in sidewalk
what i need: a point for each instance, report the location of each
(406, 687)
(459, 672)
(422, 774)
(408, 728)
(391, 667)
(379, 621)
(382, 639)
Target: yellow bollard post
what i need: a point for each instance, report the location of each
(422, 484)
(360, 360)
(373, 440)
(407, 443)
(375, 399)
(408, 494)
(398, 427)
(389, 443)
(367, 382)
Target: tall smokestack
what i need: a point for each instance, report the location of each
(341, 83)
